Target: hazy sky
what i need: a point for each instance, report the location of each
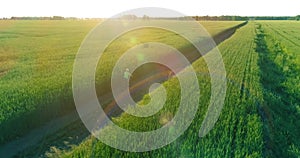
(108, 8)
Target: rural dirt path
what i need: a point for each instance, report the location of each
(12, 148)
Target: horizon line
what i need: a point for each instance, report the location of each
(9, 17)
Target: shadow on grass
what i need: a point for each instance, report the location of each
(11, 129)
(279, 111)
(51, 145)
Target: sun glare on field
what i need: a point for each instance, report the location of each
(149, 78)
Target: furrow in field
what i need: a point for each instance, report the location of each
(286, 37)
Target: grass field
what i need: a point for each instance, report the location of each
(35, 86)
(261, 113)
(36, 67)
(239, 129)
(280, 66)
(260, 117)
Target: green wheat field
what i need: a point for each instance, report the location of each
(260, 117)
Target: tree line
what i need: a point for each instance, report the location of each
(244, 18)
(198, 18)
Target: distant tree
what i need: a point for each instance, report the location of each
(298, 17)
(129, 17)
(58, 18)
(146, 17)
(233, 18)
